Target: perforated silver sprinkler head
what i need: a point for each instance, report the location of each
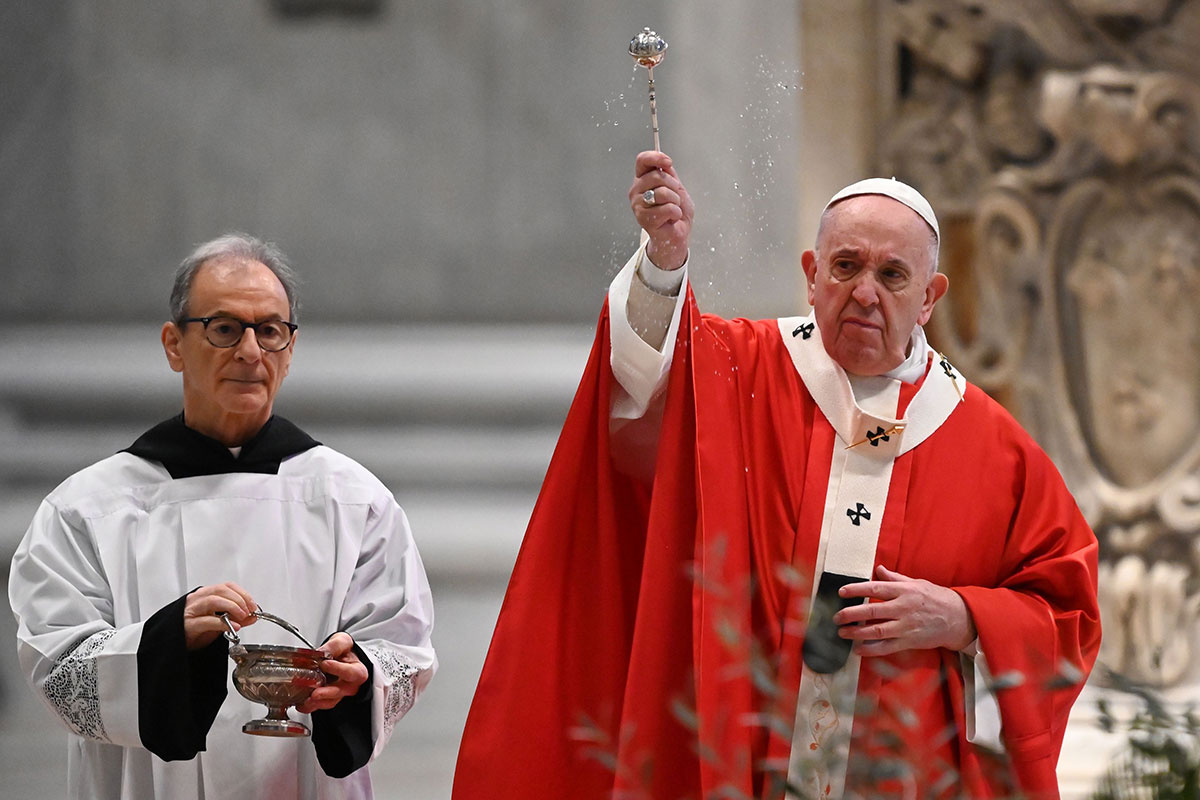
(648, 48)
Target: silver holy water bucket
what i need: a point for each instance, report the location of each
(276, 676)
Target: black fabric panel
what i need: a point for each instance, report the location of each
(179, 691)
(824, 651)
(342, 734)
(186, 453)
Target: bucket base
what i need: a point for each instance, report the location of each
(275, 727)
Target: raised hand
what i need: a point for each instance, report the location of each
(668, 218)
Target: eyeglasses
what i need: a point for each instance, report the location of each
(272, 335)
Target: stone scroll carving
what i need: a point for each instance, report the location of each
(1064, 138)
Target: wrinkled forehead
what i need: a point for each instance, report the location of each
(233, 278)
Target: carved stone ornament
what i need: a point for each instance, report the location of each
(1093, 264)
(1082, 206)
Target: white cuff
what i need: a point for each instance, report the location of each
(981, 711)
(666, 282)
(118, 684)
(640, 369)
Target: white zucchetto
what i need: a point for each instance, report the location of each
(897, 190)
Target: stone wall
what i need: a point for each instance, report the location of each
(452, 161)
(1060, 141)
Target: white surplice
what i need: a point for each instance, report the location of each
(322, 544)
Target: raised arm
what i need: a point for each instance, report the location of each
(645, 297)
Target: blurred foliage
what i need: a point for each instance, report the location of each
(1162, 759)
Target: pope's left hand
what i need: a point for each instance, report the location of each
(904, 613)
(346, 673)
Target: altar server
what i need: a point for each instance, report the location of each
(224, 508)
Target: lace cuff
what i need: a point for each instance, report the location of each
(402, 692)
(73, 687)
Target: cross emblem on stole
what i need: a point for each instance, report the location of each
(858, 513)
(949, 370)
(879, 435)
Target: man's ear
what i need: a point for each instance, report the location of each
(936, 289)
(172, 341)
(808, 260)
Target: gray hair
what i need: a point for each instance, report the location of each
(237, 245)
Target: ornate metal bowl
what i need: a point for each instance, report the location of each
(278, 677)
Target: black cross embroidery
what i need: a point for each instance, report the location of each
(880, 435)
(950, 374)
(858, 513)
(804, 331)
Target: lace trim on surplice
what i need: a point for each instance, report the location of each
(73, 687)
(402, 693)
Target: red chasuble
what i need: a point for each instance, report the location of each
(650, 641)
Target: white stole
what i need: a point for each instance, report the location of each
(869, 440)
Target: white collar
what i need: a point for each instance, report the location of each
(913, 367)
(831, 387)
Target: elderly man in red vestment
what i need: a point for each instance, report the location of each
(786, 558)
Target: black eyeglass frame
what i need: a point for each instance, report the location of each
(254, 326)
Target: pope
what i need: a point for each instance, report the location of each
(798, 557)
